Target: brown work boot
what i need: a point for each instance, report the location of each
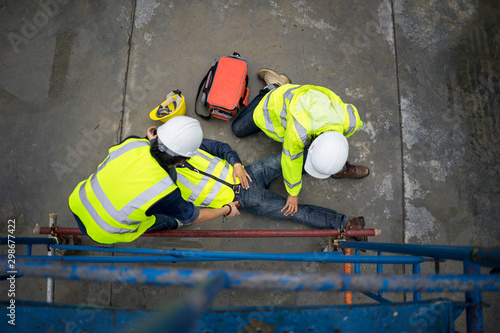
(271, 77)
(357, 223)
(352, 171)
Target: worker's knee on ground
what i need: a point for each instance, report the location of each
(237, 130)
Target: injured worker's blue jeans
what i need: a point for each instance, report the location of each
(259, 200)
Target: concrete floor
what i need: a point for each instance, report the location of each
(76, 78)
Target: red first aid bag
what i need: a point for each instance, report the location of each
(225, 88)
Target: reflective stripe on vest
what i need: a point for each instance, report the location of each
(292, 185)
(132, 206)
(109, 224)
(292, 157)
(287, 97)
(268, 121)
(352, 120)
(196, 187)
(95, 216)
(113, 154)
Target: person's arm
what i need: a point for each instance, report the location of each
(208, 214)
(224, 151)
(185, 212)
(292, 162)
(221, 150)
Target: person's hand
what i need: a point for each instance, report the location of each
(291, 207)
(234, 210)
(151, 134)
(240, 173)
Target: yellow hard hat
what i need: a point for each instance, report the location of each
(174, 105)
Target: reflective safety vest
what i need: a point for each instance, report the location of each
(295, 115)
(202, 190)
(112, 203)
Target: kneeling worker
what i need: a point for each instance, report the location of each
(303, 118)
(132, 192)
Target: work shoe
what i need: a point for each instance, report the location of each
(357, 223)
(271, 77)
(352, 171)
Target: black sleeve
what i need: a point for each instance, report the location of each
(221, 150)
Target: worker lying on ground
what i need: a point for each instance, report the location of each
(214, 177)
(304, 118)
(132, 191)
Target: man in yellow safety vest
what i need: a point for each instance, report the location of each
(303, 118)
(132, 190)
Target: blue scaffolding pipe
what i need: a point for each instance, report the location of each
(357, 266)
(376, 297)
(162, 252)
(474, 309)
(416, 270)
(489, 257)
(165, 251)
(207, 256)
(180, 255)
(380, 268)
(259, 280)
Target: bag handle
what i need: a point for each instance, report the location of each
(242, 99)
(207, 79)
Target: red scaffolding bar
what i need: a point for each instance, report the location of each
(230, 233)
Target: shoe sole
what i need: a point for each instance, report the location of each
(262, 71)
(351, 177)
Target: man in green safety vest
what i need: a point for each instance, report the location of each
(214, 177)
(303, 118)
(132, 190)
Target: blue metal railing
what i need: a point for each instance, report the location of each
(472, 283)
(487, 257)
(35, 267)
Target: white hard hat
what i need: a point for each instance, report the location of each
(327, 155)
(180, 136)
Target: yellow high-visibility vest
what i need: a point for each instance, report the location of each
(202, 190)
(112, 203)
(295, 115)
